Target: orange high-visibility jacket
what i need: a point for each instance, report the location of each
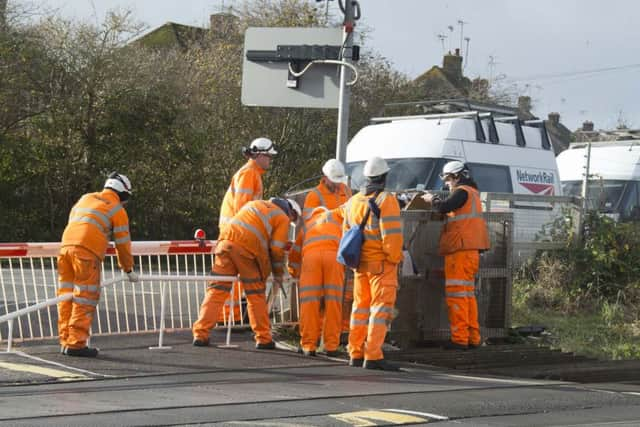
(321, 196)
(93, 219)
(465, 228)
(382, 236)
(262, 228)
(322, 232)
(246, 185)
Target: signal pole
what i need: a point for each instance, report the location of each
(344, 96)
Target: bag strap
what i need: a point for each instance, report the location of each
(366, 215)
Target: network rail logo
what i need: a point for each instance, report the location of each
(538, 182)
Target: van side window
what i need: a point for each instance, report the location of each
(491, 178)
(630, 207)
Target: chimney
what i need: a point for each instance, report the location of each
(452, 66)
(524, 104)
(222, 25)
(587, 126)
(554, 118)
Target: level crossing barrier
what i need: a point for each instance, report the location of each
(173, 276)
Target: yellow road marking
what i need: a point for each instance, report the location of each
(368, 418)
(56, 373)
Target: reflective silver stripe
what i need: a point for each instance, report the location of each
(88, 288)
(254, 291)
(296, 248)
(65, 285)
(221, 286)
(474, 212)
(114, 211)
(122, 240)
(309, 288)
(91, 221)
(333, 298)
(85, 301)
(356, 322)
(320, 238)
(121, 228)
(310, 299)
(277, 265)
(250, 279)
(455, 282)
(380, 309)
(278, 244)
(243, 191)
(264, 218)
(295, 265)
(252, 229)
(333, 287)
(378, 321)
(370, 237)
(390, 218)
(360, 311)
(391, 231)
(459, 294)
(95, 212)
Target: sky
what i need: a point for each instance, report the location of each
(580, 58)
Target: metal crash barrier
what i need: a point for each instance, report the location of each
(173, 283)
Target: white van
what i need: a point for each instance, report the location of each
(614, 169)
(503, 154)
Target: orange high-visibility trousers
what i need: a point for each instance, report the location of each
(347, 301)
(237, 302)
(78, 272)
(460, 269)
(232, 260)
(321, 284)
(374, 290)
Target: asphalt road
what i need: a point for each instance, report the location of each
(128, 384)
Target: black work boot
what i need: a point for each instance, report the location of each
(266, 346)
(201, 343)
(474, 346)
(381, 365)
(333, 353)
(450, 345)
(82, 352)
(356, 363)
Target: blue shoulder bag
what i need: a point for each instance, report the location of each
(351, 242)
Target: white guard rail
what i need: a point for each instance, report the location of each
(172, 284)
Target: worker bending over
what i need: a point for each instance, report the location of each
(463, 236)
(250, 246)
(376, 278)
(93, 219)
(321, 280)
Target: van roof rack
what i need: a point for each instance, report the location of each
(425, 116)
(456, 104)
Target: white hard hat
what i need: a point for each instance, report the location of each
(118, 182)
(262, 145)
(334, 170)
(453, 167)
(375, 166)
(295, 206)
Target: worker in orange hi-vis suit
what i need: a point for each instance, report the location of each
(246, 185)
(376, 278)
(463, 237)
(251, 246)
(331, 192)
(93, 219)
(321, 280)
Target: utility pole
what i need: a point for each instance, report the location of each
(585, 188)
(344, 96)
